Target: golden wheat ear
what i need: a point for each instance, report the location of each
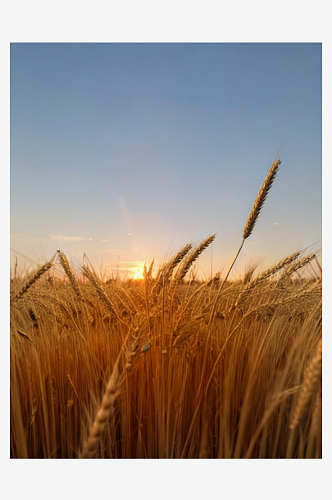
(92, 277)
(260, 199)
(191, 257)
(66, 267)
(36, 276)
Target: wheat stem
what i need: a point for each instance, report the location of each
(312, 378)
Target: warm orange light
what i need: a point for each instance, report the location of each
(138, 275)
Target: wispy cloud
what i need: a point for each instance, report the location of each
(69, 238)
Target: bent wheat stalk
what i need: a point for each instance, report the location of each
(289, 270)
(38, 274)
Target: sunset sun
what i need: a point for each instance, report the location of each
(138, 275)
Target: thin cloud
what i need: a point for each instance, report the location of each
(69, 238)
(125, 265)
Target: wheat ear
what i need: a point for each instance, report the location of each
(105, 412)
(97, 285)
(192, 257)
(288, 271)
(260, 199)
(273, 270)
(38, 274)
(165, 271)
(66, 267)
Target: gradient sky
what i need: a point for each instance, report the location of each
(127, 151)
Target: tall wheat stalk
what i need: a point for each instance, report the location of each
(251, 221)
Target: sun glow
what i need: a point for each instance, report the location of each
(138, 275)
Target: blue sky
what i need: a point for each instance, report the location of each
(127, 151)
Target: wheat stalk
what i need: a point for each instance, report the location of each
(296, 266)
(165, 271)
(105, 412)
(101, 294)
(112, 391)
(192, 257)
(149, 271)
(251, 221)
(272, 270)
(311, 380)
(66, 267)
(38, 274)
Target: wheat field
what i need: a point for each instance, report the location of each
(167, 367)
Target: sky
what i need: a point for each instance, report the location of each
(127, 151)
